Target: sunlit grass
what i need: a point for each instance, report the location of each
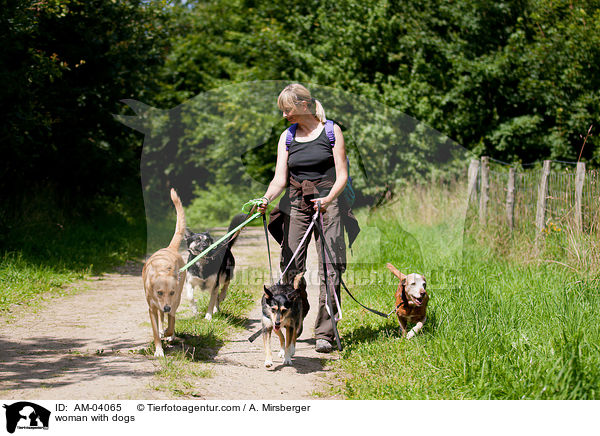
(497, 328)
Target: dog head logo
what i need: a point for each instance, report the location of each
(25, 415)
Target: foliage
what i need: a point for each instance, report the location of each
(215, 206)
(517, 80)
(65, 65)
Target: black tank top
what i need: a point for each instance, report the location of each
(312, 160)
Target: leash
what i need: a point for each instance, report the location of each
(268, 249)
(312, 223)
(227, 235)
(325, 251)
(376, 312)
(329, 301)
(253, 204)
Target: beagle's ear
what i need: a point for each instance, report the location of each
(268, 293)
(395, 271)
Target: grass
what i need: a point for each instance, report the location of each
(22, 281)
(501, 325)
(45, 254)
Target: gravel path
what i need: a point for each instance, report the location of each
(83, 346)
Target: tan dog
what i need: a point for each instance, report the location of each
(163, 282)
(411, 301)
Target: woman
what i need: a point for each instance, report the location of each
(314, 171)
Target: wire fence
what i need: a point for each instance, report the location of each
(557, 196)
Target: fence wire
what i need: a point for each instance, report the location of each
(560, 211)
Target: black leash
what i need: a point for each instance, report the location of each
(324, 252)
(344, 284)
(257, 333)
(268, 249)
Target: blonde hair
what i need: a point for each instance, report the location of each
(294, 94)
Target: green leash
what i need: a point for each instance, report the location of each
(245, 209)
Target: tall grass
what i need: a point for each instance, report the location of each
(498, 327)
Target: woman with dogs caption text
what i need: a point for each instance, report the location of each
(313, 167)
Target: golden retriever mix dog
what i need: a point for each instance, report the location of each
(163, 282)
(411, 301)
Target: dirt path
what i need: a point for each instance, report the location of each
(84, 346)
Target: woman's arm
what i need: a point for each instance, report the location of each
(341, 169)
(280, 179)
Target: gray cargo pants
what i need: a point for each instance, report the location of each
(295, 226)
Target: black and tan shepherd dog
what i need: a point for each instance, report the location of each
(214, 271)
(284, 306)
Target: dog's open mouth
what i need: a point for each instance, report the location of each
(418, 301)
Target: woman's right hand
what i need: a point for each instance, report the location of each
(263, 206)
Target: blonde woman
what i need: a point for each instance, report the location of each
(312, 166)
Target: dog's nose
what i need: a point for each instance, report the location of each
(167, 309)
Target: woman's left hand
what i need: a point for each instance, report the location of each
(325, 201)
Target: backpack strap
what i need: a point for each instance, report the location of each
(330, 133)
(291, 132)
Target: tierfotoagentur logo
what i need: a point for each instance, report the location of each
(26, 416)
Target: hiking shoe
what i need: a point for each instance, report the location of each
(323, 346)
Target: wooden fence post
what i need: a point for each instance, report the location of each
(472, 187)
(579, 179)
(485, 185)
(510, 199)
(540, 215)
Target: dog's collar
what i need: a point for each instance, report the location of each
(403, 296)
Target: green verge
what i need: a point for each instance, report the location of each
(42, 258)
(499, 326)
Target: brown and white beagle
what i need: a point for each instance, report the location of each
(411, 301)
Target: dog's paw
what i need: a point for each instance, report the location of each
(268, 363)
(287, 360)
(208, 317)
(159, 353)
(410, 334)
(281, 354)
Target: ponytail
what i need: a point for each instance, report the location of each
(320, 112)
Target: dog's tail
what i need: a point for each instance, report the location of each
(236, 221)
(180, 227)
(395, 271)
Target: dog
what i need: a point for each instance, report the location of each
(284, 306)
(163, 283)
(212, 272)
(411, 301)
